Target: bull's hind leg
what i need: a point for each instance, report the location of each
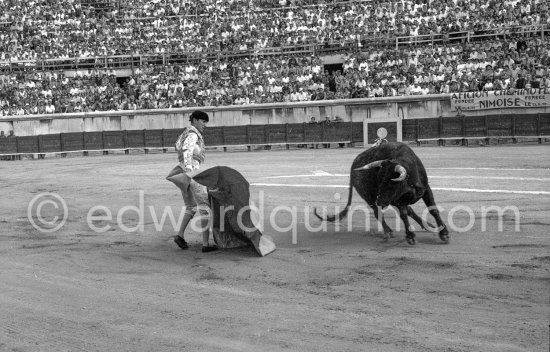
(404, 215)
(418, 219)
(388, 233)
(430, 203)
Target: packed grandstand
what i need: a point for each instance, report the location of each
(85, 55)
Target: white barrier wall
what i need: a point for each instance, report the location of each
(383, 109)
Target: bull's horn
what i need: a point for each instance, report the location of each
(402, 173)
(371, 165)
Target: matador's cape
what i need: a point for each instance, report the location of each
(229, 193)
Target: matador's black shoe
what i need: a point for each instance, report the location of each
(181, 242)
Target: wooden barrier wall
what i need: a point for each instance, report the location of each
(463, 127)
(488, 126)
(224, 136)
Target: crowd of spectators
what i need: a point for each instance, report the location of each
(43, 29)
(517, 63)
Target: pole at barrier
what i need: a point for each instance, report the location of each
(399, 121)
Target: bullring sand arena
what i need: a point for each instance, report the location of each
(334, 289)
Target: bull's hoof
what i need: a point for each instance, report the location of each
(387, 236)
(444, 235)
(411, 240)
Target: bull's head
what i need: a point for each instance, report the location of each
(391, 180)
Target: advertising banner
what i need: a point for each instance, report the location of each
(500, 99)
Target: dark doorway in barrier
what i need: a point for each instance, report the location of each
(331, 68)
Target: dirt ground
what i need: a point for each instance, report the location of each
(340, 289)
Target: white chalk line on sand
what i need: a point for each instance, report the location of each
(321, 173)
(431, 176)
(495, 178)
(486, 168)
(488, 190)
(451, 189)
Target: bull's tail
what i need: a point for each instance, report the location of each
(342, 214)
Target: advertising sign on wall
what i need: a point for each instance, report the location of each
(500, 99)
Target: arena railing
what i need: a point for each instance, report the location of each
(164, 139)
(132, 61)
(460, 129)
(473, 35)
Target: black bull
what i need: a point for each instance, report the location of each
(392, 174)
